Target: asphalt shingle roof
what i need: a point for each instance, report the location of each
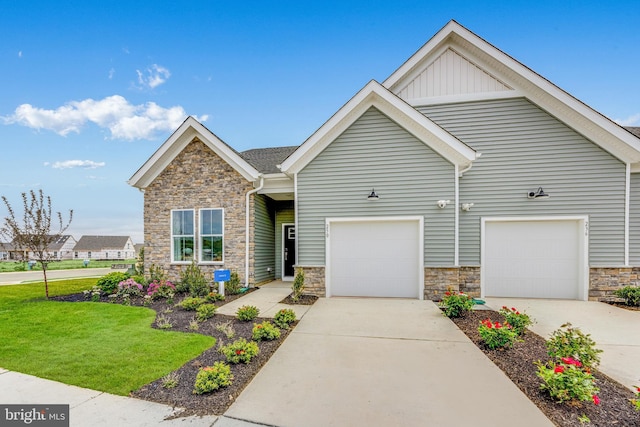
(633, 130)
(266, 159)
(97, 243)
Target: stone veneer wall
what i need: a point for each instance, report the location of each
(197, 178)
(437, 280)
(604, 281)
(314, 281)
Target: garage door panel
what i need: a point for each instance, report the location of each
(532, 259)
(375, 258)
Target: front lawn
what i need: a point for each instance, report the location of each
(69, 264)
(106, 347)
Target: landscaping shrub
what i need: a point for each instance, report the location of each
(213, 297)
(456, 304)
(109, 283)
(518, 321)
(631, 295)
(572, 342)
(568, 380)
(265, 331)
(162, 289)
(240, 351)
(284, 318)
(226, 328)
(170, 380)
(298, 285)
(232, 287)
(129, 288)
(247, 313)
(191, 303)
(193, 279)
(205, 311)
(496, 335)
(211, 378)
(636, 401)
(156, 274)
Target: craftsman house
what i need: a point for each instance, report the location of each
(463, 168)
(104, 248)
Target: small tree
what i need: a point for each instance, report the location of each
(33, 234)
(298, 285)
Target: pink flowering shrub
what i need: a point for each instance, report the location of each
(161, 289)
(130, 287)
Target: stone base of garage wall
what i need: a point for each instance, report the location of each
(314, 281)
(437, 280)
(604, 281)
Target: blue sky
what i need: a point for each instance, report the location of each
(89, 90)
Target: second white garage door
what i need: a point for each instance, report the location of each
(376, 258)
(534, 259)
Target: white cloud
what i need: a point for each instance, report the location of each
(112, 72)
(154, 76)
(123, 119)
(68, 164)
(20, 54)
(633, 120)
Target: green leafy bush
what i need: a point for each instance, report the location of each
(247, 313)
(568, 381)
(109, 283)
(572, 342)
(193, 279)
(232, 287)
(240, 351)
(213, 297)
(284, 318)
(496, 335)
(191, 303)
(211, 378)
(631, 295)
(156, 274)
(265, 331)
(205, 311)
(456, 304)
(518, 321)
(636, 402)
(298, 285)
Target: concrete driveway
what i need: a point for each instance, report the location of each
(615, 330)
(381, 362)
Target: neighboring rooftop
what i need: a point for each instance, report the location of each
(266, 159)
(633, 130)
(97, 243)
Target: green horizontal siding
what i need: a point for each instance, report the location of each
(375, 152)
(523, 147)
(285, 214)
(264, 248)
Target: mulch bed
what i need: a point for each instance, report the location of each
(518, 364)
(181, 396)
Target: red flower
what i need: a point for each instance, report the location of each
(517, 312)
(239, 352)
(447, 293)
(596, 399)
(559, 369)
(498, 325)
(513, 309)
(505, 307)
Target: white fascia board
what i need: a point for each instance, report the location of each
(612, 137)
(168, 151)
(375, 95)
(277, 183)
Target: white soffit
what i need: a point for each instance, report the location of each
(173, 146)
(513, 74)
(375, 95)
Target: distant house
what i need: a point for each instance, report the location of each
(61, 248)
(104, 247)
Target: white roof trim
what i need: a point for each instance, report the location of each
(375, 95)
(585, 120)
(173, 146)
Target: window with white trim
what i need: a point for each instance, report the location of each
(211, 235)
(182, 235)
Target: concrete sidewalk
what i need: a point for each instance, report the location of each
(615, 330)
(381, 362)
(267, 299)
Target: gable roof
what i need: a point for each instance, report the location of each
(174, 145)
(98, 243)
(518, 80)
(56, 245)
(375, 95)
(266, 160)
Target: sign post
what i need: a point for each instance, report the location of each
(221, 276)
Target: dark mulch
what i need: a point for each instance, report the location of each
(518, 364)
(303, 300)
(623, 305)
(181, 396)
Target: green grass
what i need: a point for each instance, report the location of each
(11, 266)
(106, 347)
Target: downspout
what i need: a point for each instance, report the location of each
(246, 257)
(456, 243)
(627, 197)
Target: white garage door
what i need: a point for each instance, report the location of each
(374, 258)
(533, 259)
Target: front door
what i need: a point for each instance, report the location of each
(289, 248)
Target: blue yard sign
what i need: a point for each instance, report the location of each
(221, 275)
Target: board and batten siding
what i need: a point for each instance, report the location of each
(523, 148)
(634, 220)
(285, 214)
(264, 240)
(375, 152)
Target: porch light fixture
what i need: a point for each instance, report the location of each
(538, 194)
(373, 195)
(443, 203)
(466, 206)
